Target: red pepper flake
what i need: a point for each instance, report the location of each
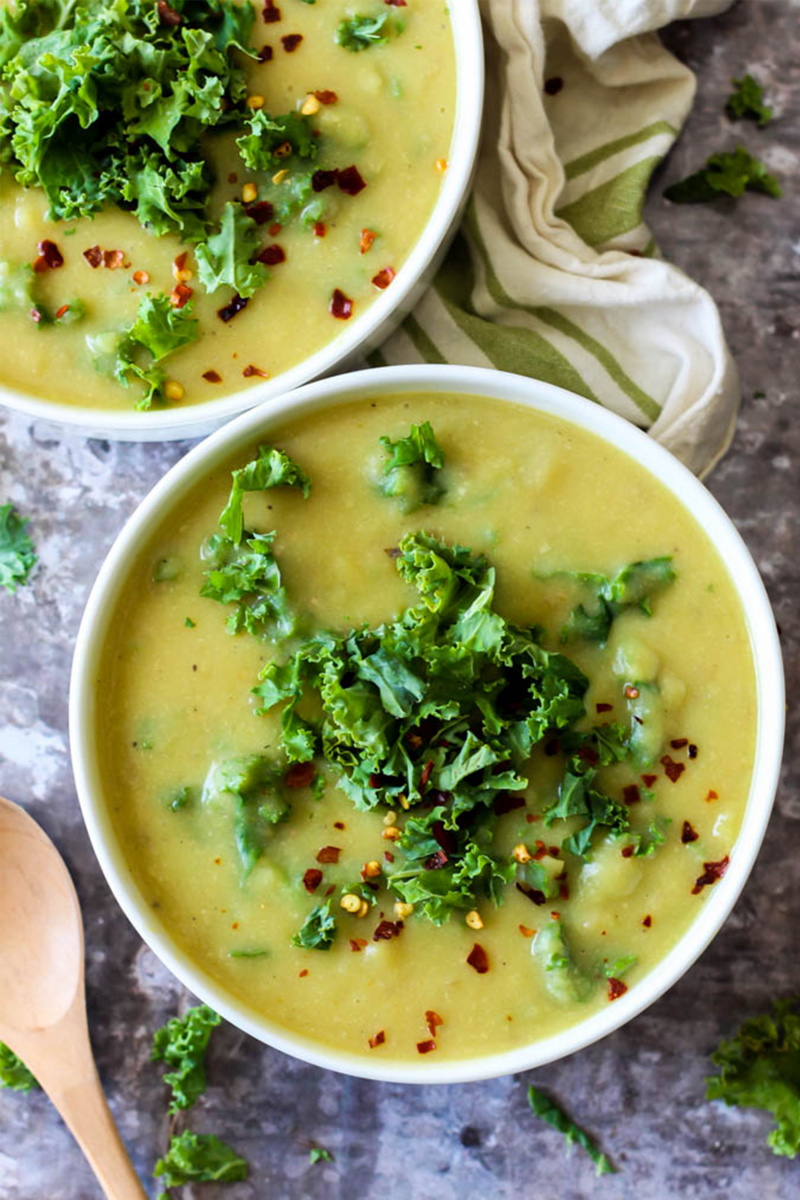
(631, 692)
(649, 780)
(180, 295)
(711, 795)
(330, 891)
(426, 1047)
(386, 930)
(604, 707)
(357, 944)
(553, 85)
(631, 794)
(627, 851)
(384, 278)
(711, 873)
(251, 370)
(679, 743)
(647, 921)
(232, 308)
(387, 854)
(271, 13)
(167, 14)
(94, 256)
(312, 879)
(321, 180)
(532, 817)
(340, 306)
(272, 255)
(396, 3)
(329, 854)
(526, 932)
(673, 770)
(141, 277)
(320, 229)
(540, 852)
(589, 755)
(326, 97)
(50, 257)
(616, 988)
(61, 312)
(433, 1021)
(555, 916)
(338, 825)
(260, 211)
(112, 259)
(377, 1039)
(275, 229)
(350, 181)
(478, 959)
(179, 262)
(303, 973)
(533, 894)
(291, 41)
(507, 802)
(300, 775)
(692, 751)
(265, 54)
(212, 376)
(688, 834)
(563, 891)
(426, 774)
(367, 239)
(436, 861)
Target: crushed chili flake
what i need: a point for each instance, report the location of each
(553, 85)
(616, 988)
(436, 861)
(711, 795)
(589, 755)
(688, 834)
(180, 295)
(94, 256)
(50, 257)
(141, 277)
(531, 818)
(303, 973)
(167, 14)
(478, 959)
(113, 259)
(649, 780)
(673, 770)
(377, 1039)
(507, 802)
(338, 824)
(526, 932)
(386, 930)
(631, 794)
(692, 751)
(232, 308)
(330, 891)
(271, 12)
(357, 944)
(61, 312)
(433, 1021)
(679, 743)
(533, 894)
(275, 229)
(312, 879)
(179, 262)
(426, 1047)
(387, 854)
(366, 241)
(325, 96)
(321, 180)
(329, 854)
(604, 707)
(384, 278)
(626, 851)
(320, 229)
(647, 921)
(712, 871)
(350, 181)
(265, 54)
(251, 370)
(396, 3)
(300, 774)
(212, 376)
(340, 306)
(425, 774)
(260, 211)
(272, 255)
(291, 41)
(563, 891)
(631, 692)
(540, 852)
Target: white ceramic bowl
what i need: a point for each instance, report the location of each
(362, 334)
(239, 437)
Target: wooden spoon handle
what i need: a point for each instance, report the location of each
(84, 1109)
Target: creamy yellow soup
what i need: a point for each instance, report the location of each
(540, 498)
(387, 111)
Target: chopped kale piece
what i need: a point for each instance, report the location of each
(182, 1044)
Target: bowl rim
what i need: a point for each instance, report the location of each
(386, 310)
(503, 387)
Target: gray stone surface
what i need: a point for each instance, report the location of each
(640, 1091)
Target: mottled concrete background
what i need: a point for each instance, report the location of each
(640, 1091)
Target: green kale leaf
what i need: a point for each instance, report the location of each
(545, 1108)
(158, 331)
(13, 1072)
(182, 1044)
(318, 1153)
(17, 552)
(411, 471)
(271, 468)
(199, 1158)
(227, 259)
(360, 33)
(760, 1068)
(747, 100)
(729, 173)
(291, 134)
(255, 784)
(318, 930)
(633, 587)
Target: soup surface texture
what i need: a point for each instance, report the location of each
(568, 772)
(243, 211)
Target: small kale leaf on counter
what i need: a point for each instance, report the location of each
(13, 1072)
(728, 173)
(747, 100)
(17, 553)
(543, 1107)
(198, 1158)
(182, 1044)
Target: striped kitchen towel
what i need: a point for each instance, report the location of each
(554, 274)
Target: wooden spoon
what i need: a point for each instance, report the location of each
(42, 999)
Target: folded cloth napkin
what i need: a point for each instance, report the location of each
(554, 274)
